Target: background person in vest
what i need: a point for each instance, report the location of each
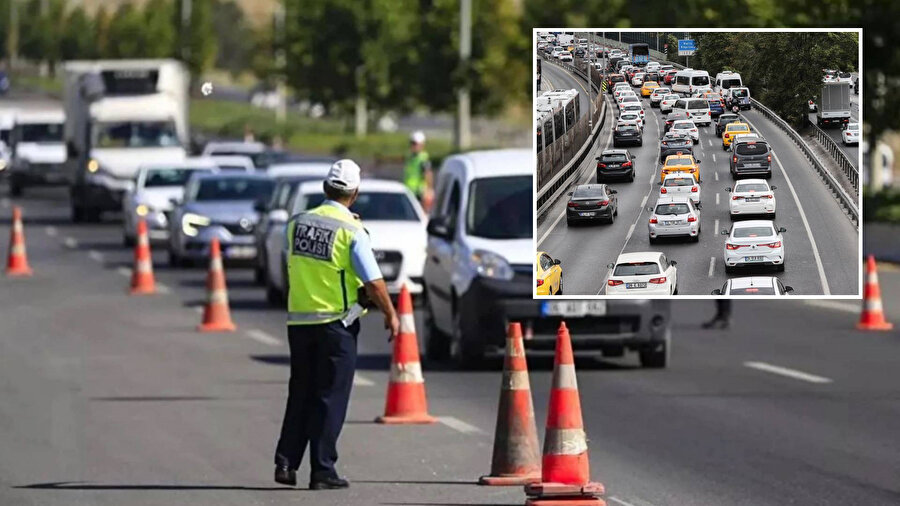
(417, 174)
(329, 258)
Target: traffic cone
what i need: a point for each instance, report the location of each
(872, 317)
(17, 261)
(142, 282)
(216, 315)
(516, 459)
(565, 472)
(405, 401)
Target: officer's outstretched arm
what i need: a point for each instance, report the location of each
(377, 292)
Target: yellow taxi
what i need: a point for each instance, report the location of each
(549, 275)
(680, 162)
(731, 130)
(648, 87)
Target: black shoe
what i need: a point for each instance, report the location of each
(329, 484)
(710, 324)
(285, 475)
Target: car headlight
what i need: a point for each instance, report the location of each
(491, 265)
(93, 166)
(190, 222)
(141, 210)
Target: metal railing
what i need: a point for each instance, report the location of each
(847, 201)
(558, 163)
(837, 153)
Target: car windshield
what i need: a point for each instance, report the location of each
(679, 181)
(751, 148)
(682, 125)
(147, 134)
(613, 157)
(751, 187)
(232, 188)
(745, 232)
(739, 93)
(375, 206)
(672, 209)
(495, 208)
(678, 162)
(853, 126)
(587, 192)
(636, 269)
(753, 290)
(167, 177)
(42, 132)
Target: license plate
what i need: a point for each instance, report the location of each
(587, 214)
(753, 259)
(670, 223)
(752, 200)
(637, 284)
(240, 251)
(574, 308)
(751, 165)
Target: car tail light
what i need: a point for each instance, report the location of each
(603, 202)
(692, 219)
(573, 204)
(736, 197)
(658, 281)
(734, 246)
(663, 190)
(653, 220)
(770, 196)
(694, 189)
(626, 164)
(614, 282)
(769, 158)
(601, 165)
(776, 244)
(734, 159)
(540, 282)
(726, 135)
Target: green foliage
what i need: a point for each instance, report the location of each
(881, 206)
(197, 39)
(126, 33)
(77, 38)
(159, 32)
(235, 36)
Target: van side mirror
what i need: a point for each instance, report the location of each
(673, 262)
(610, 265)
(717, 291)
(782, 229)
(788, 289)
(439, 226)
(728, 189)
(773, 187)
(724, 231)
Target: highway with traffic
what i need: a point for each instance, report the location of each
(821, 243)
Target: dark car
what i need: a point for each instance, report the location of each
(612, 80)
(579, 53)
(615, 163)
(673, 143)
(716, 107)
(751, 158)
(739, 97)
(591, 202)
(674, 116)
(628, 134)
(723, 120)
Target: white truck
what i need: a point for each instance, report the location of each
(120, 114)
(834, 104)
(565, 40)
(37, 151)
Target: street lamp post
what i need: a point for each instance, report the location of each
(465, 51)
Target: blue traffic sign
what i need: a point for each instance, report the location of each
(687, 45)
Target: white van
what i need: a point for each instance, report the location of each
(726, 80)
(690, 81)
(697, 109)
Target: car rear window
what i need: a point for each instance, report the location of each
(617, 79)
(739, 93)
(746, 232)
(751, 148)
(679, 125)
(697, 104)
(736, 128)
(636, 269)
(679, 181)
(615, 157)
(678, 162)
(672, 209)
(728, 118)
(588, 192)
(626, 128)
(753, 290)
(751, 187)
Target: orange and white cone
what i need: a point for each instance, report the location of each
(17, 261)
(872, 317)
(142, 281)
(516, 460)
(216, 314)
(406, 402)
(565, 473)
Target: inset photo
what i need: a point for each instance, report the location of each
(697, 163)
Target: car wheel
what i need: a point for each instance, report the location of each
(259, 275)
(612, 218)
(724, 147)
(92, 215)
(728, 269)
(696, 238)
(559, 289)
(465, 353)
(732, 217)
(675, 291)
(630, 180)
(437, 343)
(175, 259)
(652, 239)
(656, 357)
(769, 175)
(773, 215)
(569, 222)
(77, 214)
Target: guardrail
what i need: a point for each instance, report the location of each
(847, 201)
(550, 191)
(835, 151)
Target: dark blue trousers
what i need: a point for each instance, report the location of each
(323, 360)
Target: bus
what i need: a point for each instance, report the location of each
(557, 112)
(640, 53)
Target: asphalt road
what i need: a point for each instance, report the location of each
(822, 245)
(555, 78)
(109, 399)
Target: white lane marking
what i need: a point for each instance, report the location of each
(833, 304)
(619, 501)
(263, 337)
(709, 141)
(717, 172)
(95, 255)
(630, 231)
(70, 242)
(51, 231)
(716, 226)
(362, 381)
(125, 271)
(712, 266)
(459, 425)
(714, 161)
(812, 240)
(644, 200)
(784, 371)
(623, 502)
(717, 199)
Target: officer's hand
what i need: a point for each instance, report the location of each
(392, 323)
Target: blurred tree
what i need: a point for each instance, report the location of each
(197, 43)
(236, 38)
(127, 33)
(102, 22)
(77, 35)
(159, 30)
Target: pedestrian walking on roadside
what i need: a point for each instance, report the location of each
(722, 318)
(417, 173)
(330, 258)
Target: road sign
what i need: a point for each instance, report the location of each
(686, 47)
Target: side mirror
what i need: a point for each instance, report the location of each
(698, 161)
(698, 205)
(649, 209)
(659, 183)
(71, 152)
(613, 192)
(773, 187)
(569, 194)
(717, 291)
(259, 206)
(610, 266)
(278, 216)
(556, 262)
(440, 227)
(728, 189)
(673, 262)
(788, 289)
(782, 229)
(598, 158)
(724, 232)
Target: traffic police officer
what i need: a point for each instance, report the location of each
(417, 175)
(329, 258)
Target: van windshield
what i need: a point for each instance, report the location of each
(700, 80)
(728, 83)
(42, 132)
(135, 134)
(495, 208)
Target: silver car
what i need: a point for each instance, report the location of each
(674, 216)
(217, 205)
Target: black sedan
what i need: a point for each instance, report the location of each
(673, 143)
(615, 163)
(724, 119)
(591, 202)
(628, 134)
